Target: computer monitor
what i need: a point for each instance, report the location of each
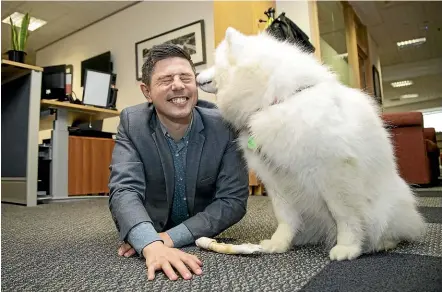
(97, 86)
(100, 63)
(53, 82)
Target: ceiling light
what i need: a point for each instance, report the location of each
(411, 95)
(413, 42)
(17, 18)
(402, 83)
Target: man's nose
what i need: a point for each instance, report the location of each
(177, 83)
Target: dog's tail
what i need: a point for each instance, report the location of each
(227, 248)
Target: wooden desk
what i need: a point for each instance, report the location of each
(76, 112)
(21, 91)
(12, 70)
(65, 114)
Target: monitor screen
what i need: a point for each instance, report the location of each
(96, 88)
(53, 82)
(100, 63)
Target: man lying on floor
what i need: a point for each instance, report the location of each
(176, 173)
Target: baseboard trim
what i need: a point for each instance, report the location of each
(14, 190)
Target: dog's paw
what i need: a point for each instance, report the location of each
(345, 252)
(386, 245)
(274, 246)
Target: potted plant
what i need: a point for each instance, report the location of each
(19, 37)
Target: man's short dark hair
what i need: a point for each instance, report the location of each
(161, 52)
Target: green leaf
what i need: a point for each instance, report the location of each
(24, 32)
(12, 33)
(14, 37)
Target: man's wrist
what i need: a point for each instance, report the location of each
(150, 247)
(167, 240)
(142, 235)
(180, 236)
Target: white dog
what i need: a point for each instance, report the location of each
(319, 147)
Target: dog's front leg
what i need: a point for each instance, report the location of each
(288, 225)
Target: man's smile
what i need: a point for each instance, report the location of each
(179, 100)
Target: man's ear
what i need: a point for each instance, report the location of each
(145, 90)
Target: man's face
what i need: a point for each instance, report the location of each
(172, 88)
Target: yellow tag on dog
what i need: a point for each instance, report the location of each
(251, 143)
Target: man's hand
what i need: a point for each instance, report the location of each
(161, 257)
(126, 250)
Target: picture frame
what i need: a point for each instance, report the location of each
(190, 36)
(377, 85)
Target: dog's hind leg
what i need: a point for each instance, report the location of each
(349, 227)
(288, 225)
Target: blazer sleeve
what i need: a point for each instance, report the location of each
(232, 192)
(127, 182)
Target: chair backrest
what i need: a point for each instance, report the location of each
(430, 134)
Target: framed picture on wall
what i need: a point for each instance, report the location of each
(377, 85)
(190, 37)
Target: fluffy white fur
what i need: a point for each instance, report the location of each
(325, 158)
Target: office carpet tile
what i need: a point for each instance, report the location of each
(380, 272)
(428, 192)
(72, 246)
(430, 244)
(429, 202)
(431, 214)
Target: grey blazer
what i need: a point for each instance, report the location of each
(142, 173)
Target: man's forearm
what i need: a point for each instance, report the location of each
(142, 235)
(217, 217)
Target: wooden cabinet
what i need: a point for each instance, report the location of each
(89, 160)
(255, 185)
(241, 15)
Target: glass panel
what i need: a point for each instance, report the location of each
(362, 69)
(333, 41)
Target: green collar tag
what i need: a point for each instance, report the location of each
(251, 144)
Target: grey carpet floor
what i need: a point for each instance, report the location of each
(73, 247)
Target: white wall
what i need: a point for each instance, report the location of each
(119, 33)
(298, 11)
(416, 105)
(433, 119)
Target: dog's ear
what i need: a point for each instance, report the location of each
(234, 37)
(231, 35)
(234, 43)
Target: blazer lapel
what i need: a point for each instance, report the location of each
(195, 147)
(166, 161)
